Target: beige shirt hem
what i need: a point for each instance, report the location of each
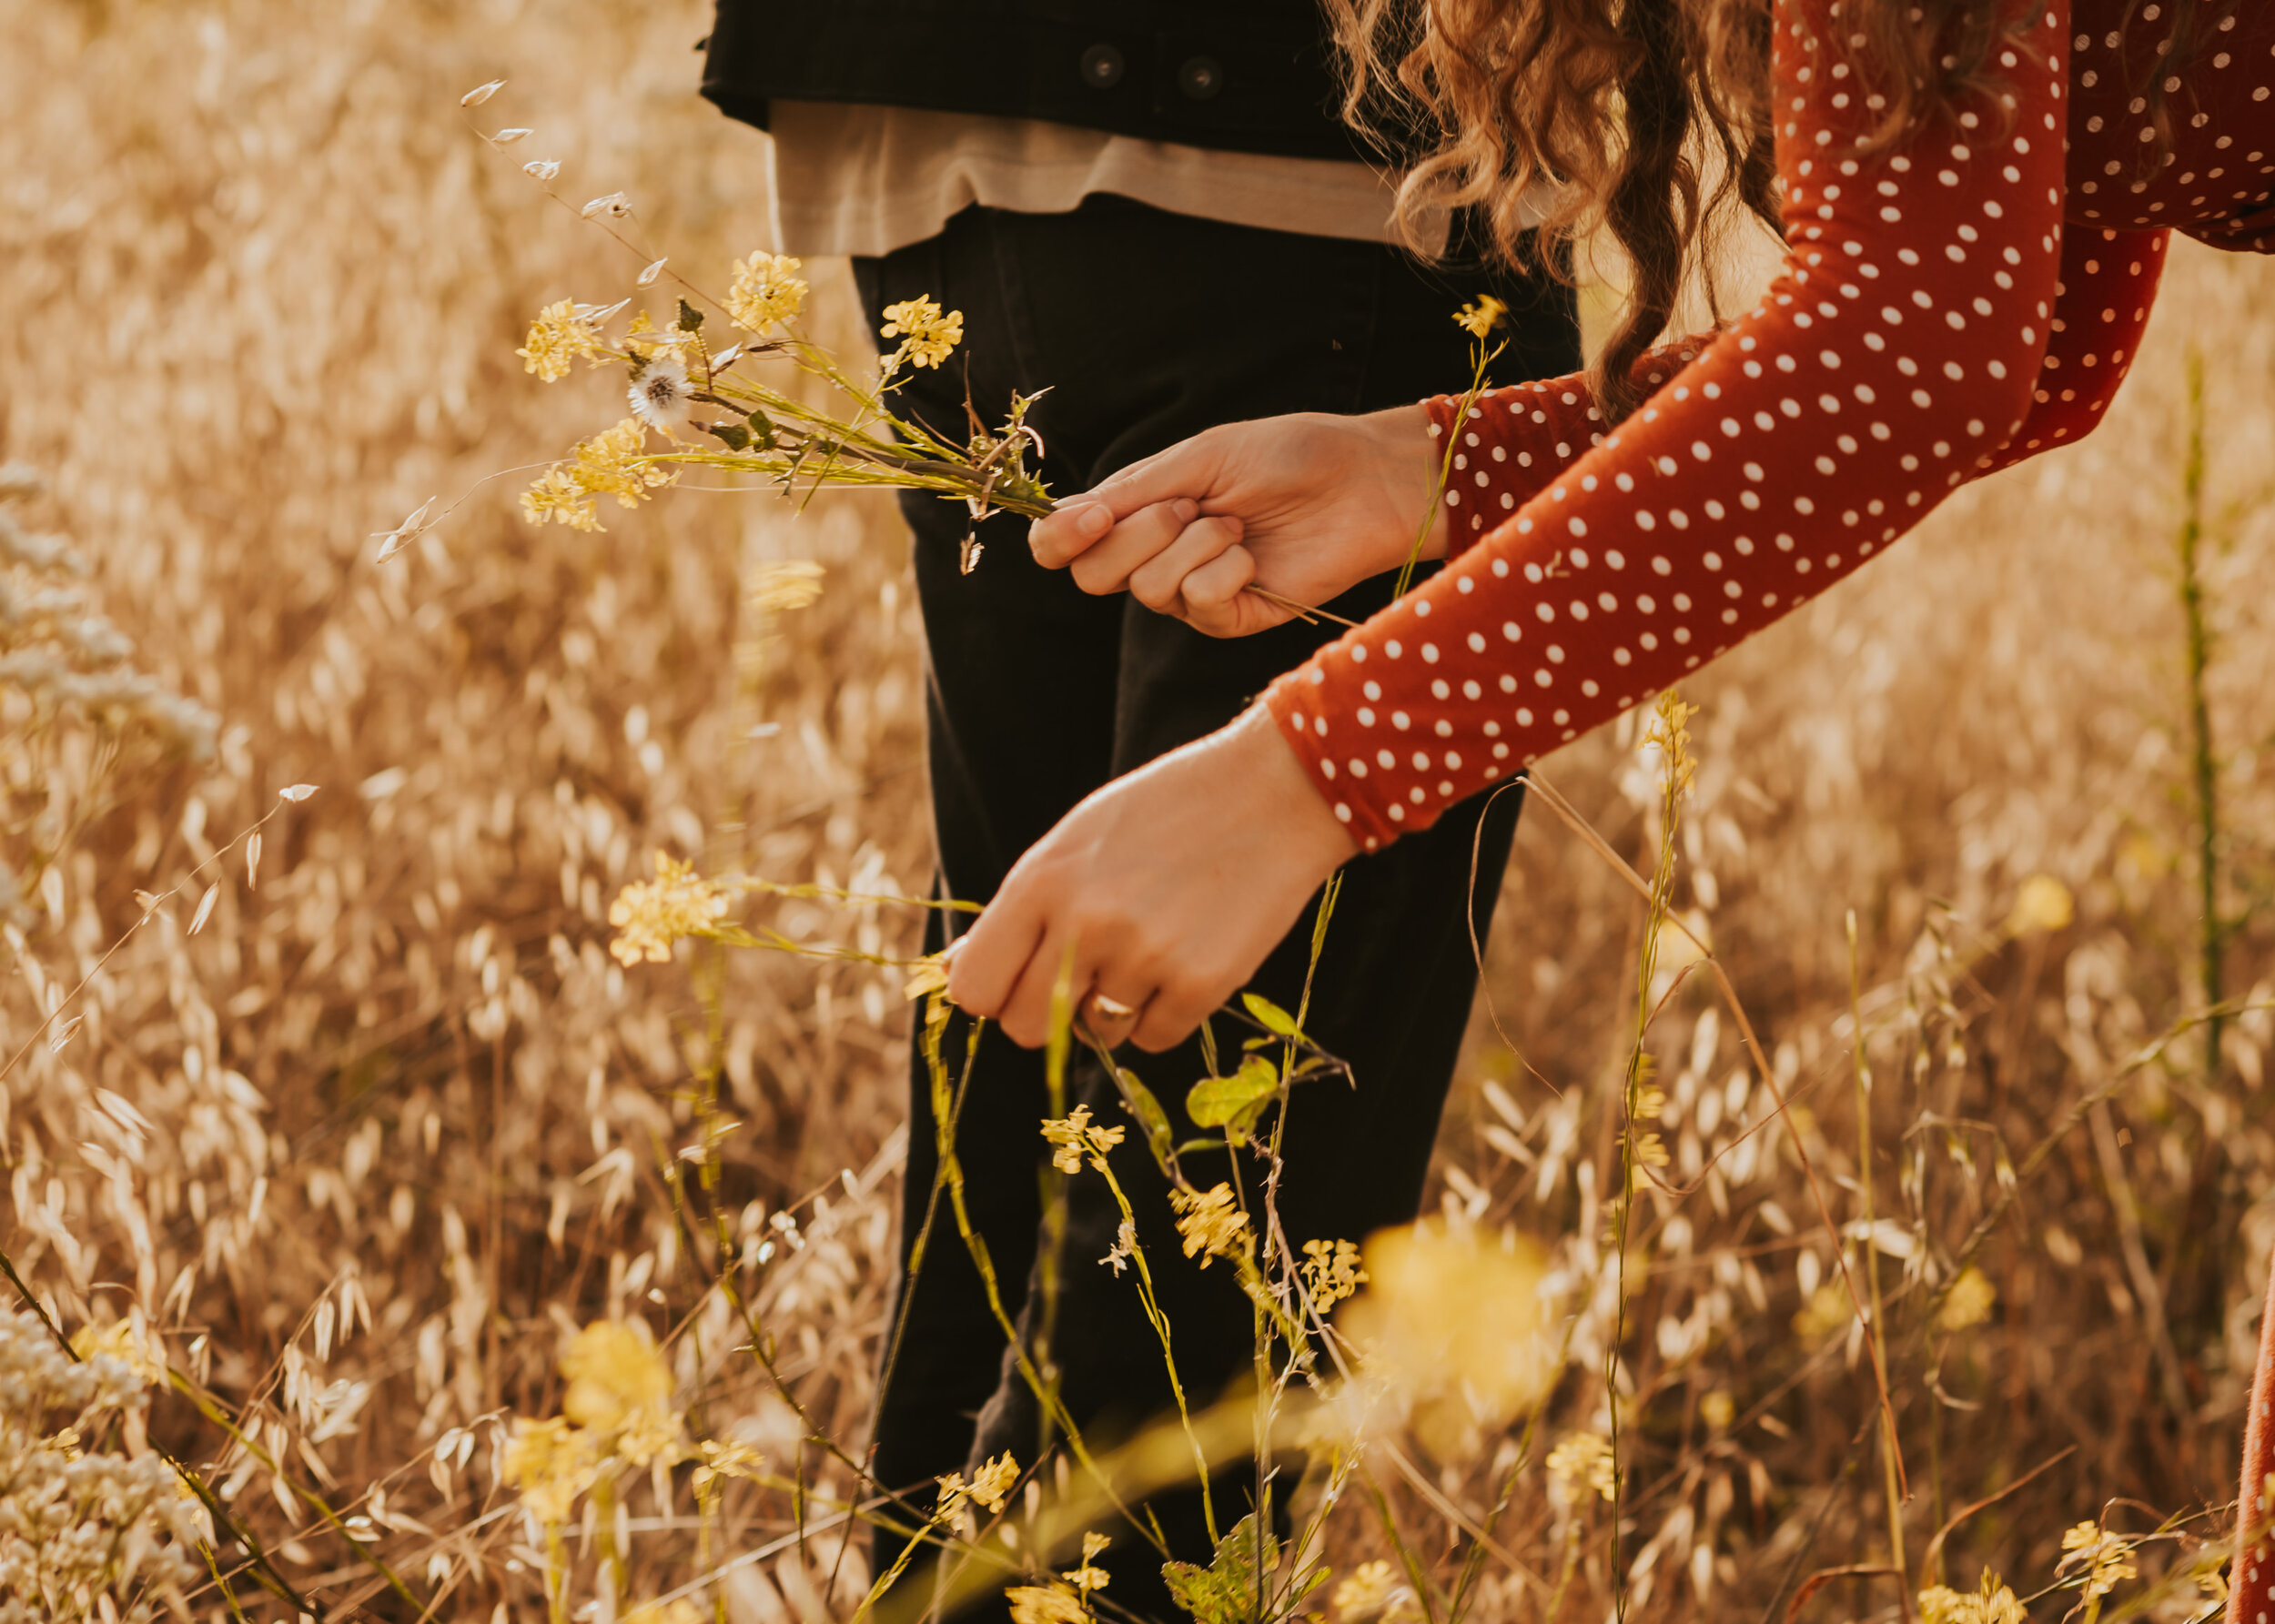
(852, 178)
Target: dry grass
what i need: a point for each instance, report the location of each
(263, 290)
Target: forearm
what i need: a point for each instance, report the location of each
(1872, 380)
(1514, 442)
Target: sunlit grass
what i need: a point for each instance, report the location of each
(361, 1135)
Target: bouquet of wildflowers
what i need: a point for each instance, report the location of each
(711, 407)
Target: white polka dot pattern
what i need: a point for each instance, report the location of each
(1933, 320)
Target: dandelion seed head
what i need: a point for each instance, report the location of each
(660, 396)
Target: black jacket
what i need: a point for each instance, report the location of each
(1250, 76)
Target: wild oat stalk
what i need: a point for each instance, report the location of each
(1670, 736)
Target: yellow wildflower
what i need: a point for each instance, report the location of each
(766, 291)
(555, 496)
(118, 1341)
(651, 916)
(1211, 1224)
(614, 462)
(1046, 1604)
(1991, 1602)
(1826, 1311)
(926, 336)
(1585, 1456)
(2106, 1558)
(1651, 1151)
(990, 1484)
(994, 1480)
(1331, 1271)
(1089, 1576)
(2044, 905)
(1669, 734)
(1718, 1409)
(1940, 1604)
(1453, 1320)
(1968, 1302)
(715, 1460)
(1371, 1591)
(557, 338)
(552, 1463)
(1482, 318)
(619, 1386)
(1074, 1135)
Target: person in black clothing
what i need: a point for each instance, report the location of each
(1149, 324)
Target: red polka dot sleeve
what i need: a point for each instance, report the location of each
(2251, 1580)
(1908, 342)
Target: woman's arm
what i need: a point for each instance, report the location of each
(1901, 351)
(1898, 347)
(2109, 283)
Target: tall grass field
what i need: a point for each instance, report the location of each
(1858, 1190)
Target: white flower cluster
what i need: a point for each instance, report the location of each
(65, 657)
(84, 1532)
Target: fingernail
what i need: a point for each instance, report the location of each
(1095, 519)
(1186, 508)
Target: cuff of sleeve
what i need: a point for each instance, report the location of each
(1445, 417)
(1299, 703)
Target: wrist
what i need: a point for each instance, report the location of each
(1410, 455)
(1289, 800)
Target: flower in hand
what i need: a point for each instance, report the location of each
(1302, 507)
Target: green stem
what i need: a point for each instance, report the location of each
(2203, 765)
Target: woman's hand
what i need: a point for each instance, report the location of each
(1304, 507)
(1169, 886)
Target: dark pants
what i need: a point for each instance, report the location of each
(1150, 327)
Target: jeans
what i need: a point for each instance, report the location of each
(1149, 326)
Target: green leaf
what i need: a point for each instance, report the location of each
(1151, 1118)
(1306, 1585)
(1273, 1018)
(1235, 1101)
(690, 318)
(1225, 1591)
(736, 437)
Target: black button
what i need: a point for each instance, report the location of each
(1200, 78)
(1102, 68)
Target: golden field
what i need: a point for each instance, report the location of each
(362, 1154)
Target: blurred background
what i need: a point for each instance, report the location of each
(263, 282)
